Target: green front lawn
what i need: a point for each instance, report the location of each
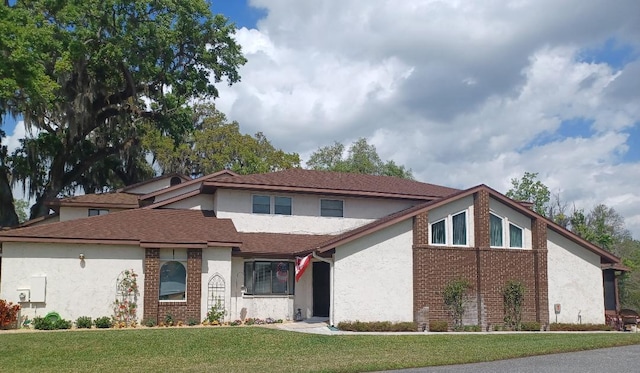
(245, 349)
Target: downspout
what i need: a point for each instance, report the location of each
(331, 284)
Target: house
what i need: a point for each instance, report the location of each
(382, 248)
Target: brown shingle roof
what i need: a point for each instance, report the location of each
(162, 226)
(325, 182)
(107, 200)
(273, 244)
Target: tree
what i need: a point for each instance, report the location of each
(361, 158)
(513, 299)
(454, 298)
(8, 216)
(99, 73)
(528, 189)
(215, 144)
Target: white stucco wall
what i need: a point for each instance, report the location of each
(575, 281)
(257, 306)
(374, 277)
(216, 261)
(178, 191)
(151, 186)
(72, 213)
(73, 288)
(305, 218)
(199, 202)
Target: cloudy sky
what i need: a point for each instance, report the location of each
(461, 92)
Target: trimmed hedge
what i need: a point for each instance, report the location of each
(438, 326)
(377, 326)
(579, 327)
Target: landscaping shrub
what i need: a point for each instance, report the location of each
(216, 313)
(438, 326)
(192, 322)
(472, 328)
(62, 324)
(513, 298)
(150, 323)
(453, 297)
(579, 327)
(42, 323)
(168, 320)
(84, 322)
(103, 322)
(531, 326)
(377, 326)
(8, 313)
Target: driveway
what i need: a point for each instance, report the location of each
(616, 359)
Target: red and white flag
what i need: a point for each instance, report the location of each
(301, 265)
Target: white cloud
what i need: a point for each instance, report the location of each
(461, 92)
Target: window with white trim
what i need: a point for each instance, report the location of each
(269, 277)
(451, 230)
(500, 236)
(332, 208)
(278, 205)
(173, 281)
(96, 212)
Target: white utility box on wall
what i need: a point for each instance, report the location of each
(38, 289)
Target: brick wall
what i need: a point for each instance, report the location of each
(488, 270)
(181, 311)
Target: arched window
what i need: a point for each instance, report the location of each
(175, 181)
(173, 281)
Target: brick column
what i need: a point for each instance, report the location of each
(481, 219)
(151, 284)
(421, 229)
(539, 246)
(194, 284)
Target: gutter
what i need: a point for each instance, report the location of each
(331, 284)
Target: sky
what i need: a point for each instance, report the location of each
(461, 92)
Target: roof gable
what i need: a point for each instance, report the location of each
(389, 220)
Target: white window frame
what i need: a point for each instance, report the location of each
(272, 204)
(331, 199)
(506, 233)
(186, 281)
(99, 212)
(448, 229)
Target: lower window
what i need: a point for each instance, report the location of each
(173, 281)
(268, 277)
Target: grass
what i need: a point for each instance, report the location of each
(269, 350)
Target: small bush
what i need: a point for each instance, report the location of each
(62, 324)
(249, 321)
(150, 323)
(8, 313)
(216, 313)
(531, 326)
(42, 323)
(377, 326)
(579, 327)
(103, 322)
(438, 326)
(84, 322)
(472, 328)
(168, 320)
(192, 322)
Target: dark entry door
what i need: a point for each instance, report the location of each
(321, 289)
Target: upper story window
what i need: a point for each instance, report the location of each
(332, 207)
(269, 277)
(269, 204)
(451, 230)
(282, 205)
(497, 237)
(96, 212)
(173, 281)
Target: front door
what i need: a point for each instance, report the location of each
(321, 289)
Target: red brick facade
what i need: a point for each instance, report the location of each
(181, 311)
(487, 270)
